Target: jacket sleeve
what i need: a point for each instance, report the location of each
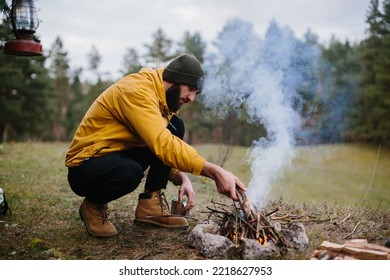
(141, 114)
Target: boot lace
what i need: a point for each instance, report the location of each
(164, 203)
(103, 213)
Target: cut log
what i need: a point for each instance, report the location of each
(362, 243)
(359, 249)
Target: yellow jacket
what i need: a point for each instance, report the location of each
(132, 113)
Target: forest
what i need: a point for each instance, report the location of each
(337, 92)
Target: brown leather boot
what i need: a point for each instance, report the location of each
(95, 218)
(153, 208)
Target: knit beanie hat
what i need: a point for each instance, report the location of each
(186, 70)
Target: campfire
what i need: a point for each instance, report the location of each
(241, 229)
(245, 222)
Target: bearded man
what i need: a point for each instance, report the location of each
(131, 127)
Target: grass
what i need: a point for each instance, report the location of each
(328, 182)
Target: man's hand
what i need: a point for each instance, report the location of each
(225, 181)
(185, 189)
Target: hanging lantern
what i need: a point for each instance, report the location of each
(24, 22)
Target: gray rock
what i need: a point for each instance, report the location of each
(214, 245)
(196, 235)
(205, 237)
(251, 249)
(295, 234)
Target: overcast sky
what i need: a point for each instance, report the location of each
(115, 25)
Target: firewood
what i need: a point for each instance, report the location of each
(363, 244)
(359, 250)
(366, 254)
(241, 220)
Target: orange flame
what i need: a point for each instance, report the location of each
(262, 241)
(235, 236)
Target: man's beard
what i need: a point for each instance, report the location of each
(173, 97)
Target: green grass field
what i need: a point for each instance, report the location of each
(331, 181)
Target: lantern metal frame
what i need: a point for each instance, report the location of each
(24, 22)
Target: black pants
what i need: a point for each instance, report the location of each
(109, 177)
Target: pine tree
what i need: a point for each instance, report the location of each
(77, 104)
(94, 60)
(159, 51)
(59, 72)
(131, 62)
(25, 95)
(340, 84)
(373, 115)
(193, 44)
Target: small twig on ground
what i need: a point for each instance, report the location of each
(346, 218)
(349, 234)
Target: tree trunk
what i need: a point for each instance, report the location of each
(4, 133)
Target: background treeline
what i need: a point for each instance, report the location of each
(344, 95)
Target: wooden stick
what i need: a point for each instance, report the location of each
(243, 206)
(272, 212)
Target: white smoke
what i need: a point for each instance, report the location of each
(246, 71)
